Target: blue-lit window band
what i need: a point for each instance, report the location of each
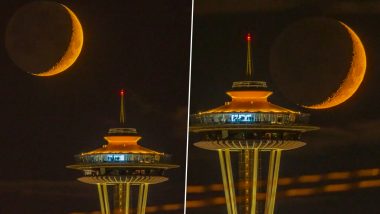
(122, 158)
(249, 118)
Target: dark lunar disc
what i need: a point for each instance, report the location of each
(38, 35)
(310, 60)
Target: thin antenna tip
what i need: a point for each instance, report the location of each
(248, 37)
(122, 92)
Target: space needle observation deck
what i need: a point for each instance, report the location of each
(119, 166)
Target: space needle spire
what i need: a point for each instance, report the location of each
(122, 107)
(249, 69)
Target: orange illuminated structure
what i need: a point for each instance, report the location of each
(120, 165)
(252, 127)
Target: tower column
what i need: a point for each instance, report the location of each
(228, 180)
(127, 197)
(248, 178)
(254, 180)
(143, 193)
(122, 198)
(274, 166)
(106, 201)
(119, 198)
(103, 198)
(244, 181)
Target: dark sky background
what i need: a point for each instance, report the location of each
(348, 139)
(140, 46)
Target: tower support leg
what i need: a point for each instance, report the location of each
(228, 180)
(127, 196)
(106, 201)
(143, 193)
(254, 180)
(274, 166)
(101, 198)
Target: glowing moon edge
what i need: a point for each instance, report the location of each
(73, 50)
(354, 77)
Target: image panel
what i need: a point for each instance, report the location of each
(284, 108)
(94, 106)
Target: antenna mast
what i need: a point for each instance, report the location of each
(122, 108)
(249, 71)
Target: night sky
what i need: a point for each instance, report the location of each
(141, 47)
(348, 140)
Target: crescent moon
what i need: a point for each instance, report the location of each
(354, 77)
(73, 50)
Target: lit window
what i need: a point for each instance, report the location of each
(237, 118)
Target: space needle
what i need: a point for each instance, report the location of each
(121, 166)
(257, 131)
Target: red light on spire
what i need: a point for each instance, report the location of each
(248, 37)
(122, 92)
